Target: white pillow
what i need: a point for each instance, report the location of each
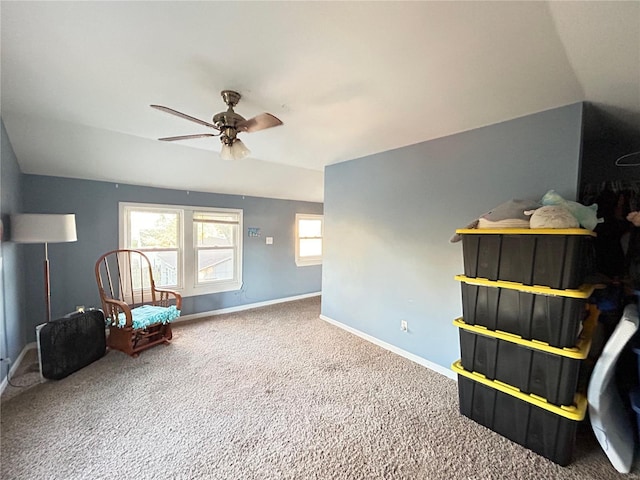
(553, 216)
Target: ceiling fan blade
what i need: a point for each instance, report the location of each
(259, 122)
(187, 137)
(183, 115)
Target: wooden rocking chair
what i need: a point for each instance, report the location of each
(138, 313)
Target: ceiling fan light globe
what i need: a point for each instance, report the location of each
(239, 150)
(225, 153)
(236, 151)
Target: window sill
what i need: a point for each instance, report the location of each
(308, 263)
(210, 289)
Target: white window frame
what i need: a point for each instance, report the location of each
(187, 259)
(234, 283)
(308, 261)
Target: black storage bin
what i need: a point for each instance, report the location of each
(557, 258)
(548, 430)
(548, 315)
(549, 372)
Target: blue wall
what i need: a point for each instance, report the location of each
(13, 331)
(269, 271)
(389, 217)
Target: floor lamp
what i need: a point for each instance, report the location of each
(44, 228)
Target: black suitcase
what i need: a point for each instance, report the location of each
(67, 344)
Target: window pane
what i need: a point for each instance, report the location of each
(154, 229)
(165, 270)
(310, 247)
(310, 228)
(139, 278)
(215, 265)
(215, 234)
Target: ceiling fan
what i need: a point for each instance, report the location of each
(228, 124)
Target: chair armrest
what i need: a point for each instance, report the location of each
(114, 307)
(164, 297)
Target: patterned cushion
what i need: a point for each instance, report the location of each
(146, 315)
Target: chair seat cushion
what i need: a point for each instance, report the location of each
(147, 315)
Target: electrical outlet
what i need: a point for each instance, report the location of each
(403, 325)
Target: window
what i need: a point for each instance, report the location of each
(215, 239)
(308, 239)
(195, 250)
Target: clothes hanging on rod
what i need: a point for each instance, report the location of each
(631, 189)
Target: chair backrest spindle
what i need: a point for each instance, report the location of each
(107, 274)
(142, 278)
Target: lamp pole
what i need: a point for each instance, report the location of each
(47, 284)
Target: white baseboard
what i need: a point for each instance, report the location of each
(16, 364)
(392, 348)
(239, 308)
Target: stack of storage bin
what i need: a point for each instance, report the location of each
(525, 331)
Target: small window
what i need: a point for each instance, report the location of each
(308, 239)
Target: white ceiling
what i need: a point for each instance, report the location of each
(347, 79)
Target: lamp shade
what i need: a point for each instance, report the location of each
(43, 228)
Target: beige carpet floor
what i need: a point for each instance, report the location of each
(271, 393)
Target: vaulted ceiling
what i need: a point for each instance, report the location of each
(347, 79)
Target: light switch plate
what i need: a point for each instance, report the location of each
(269, 240)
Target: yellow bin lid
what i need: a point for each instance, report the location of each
(526, 231)
(579, 352)
(574, 412)
(585, 291)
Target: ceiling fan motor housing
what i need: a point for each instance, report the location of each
(229, 118)
(228, 121)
